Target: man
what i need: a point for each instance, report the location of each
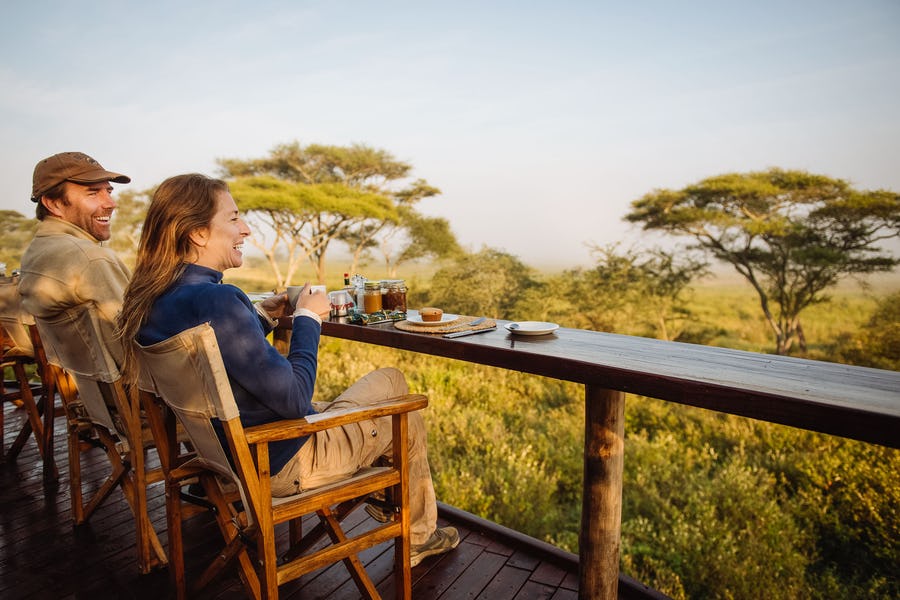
(65, 265)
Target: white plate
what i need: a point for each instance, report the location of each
(532, 327)
(446, 319)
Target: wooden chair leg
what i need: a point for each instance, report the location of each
(302, 545)
(400, 494)
(150, 551)
(354, 565)
(49, 412)
(74, 446)
(295, 532)
(236, 545)
(2, 413)
(33, 423)
(176, 544)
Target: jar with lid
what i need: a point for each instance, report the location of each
(372, 297)
(394, 295)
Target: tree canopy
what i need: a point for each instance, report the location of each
(16, 231)
(304, 218)
(311, 195)
(634, 291)
(490, 282)
(128, 221)
(791, 234)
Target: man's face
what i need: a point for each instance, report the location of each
(89, 207)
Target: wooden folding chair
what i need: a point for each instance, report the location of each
(187, 372)
(18, 355)
(19, 390)
(102, 413)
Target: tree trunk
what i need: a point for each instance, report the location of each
(801, 337)
(320, 268)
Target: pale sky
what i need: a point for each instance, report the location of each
(539, 121)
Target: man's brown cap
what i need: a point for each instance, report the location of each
(70, 166)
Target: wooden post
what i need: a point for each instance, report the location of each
(601, 506)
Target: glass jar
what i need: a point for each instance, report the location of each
(372, 297)
(394, 295)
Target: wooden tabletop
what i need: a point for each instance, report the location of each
(854, 402)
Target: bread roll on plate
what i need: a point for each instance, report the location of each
(430, 313)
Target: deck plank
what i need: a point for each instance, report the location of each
(43, 556)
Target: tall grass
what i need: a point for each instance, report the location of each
(730, 316)
(714, 505)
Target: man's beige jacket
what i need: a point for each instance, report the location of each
(65, 267)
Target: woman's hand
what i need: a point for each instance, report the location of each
(276, 306)
(316, 301)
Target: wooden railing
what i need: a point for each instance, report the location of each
(842, 400)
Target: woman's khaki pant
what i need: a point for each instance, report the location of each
(338, 453)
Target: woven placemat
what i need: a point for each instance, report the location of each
(461, 324)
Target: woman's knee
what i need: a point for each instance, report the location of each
(375, 386)
(418, 434)
(396, 380)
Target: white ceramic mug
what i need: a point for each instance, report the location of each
(293, 292)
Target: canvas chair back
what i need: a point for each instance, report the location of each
(196, 389)
(72, 341)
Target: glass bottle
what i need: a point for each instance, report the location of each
(358, 290)
(372, 297)
(394, 295)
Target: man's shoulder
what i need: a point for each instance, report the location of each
(61, 246)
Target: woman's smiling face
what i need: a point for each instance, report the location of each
(220, 245)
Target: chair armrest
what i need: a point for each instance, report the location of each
(294, 428)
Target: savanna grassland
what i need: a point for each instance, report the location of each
(715, 506)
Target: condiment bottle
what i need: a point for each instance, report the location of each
(372, 297)
(358, 283)
(394, 295)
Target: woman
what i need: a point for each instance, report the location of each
(192, 233)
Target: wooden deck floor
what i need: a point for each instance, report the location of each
(43, 556)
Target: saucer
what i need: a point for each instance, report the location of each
(531, 327)
(446, 319)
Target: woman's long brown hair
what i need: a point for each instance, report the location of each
(180, 205)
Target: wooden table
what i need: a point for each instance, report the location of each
(848, 401)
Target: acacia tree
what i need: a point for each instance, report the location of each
(645, 288)
(426, 236)
(358, 167)
(16, 231)
(408, 237)
(489, 282)
(128, 222)
(632, 291)
(303, 218)
(791, 234)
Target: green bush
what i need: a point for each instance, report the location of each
(714, 505)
